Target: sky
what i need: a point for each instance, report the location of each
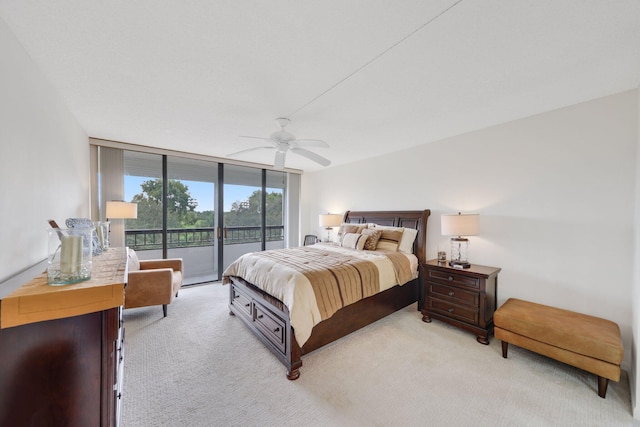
(203, 192)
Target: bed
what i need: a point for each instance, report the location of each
(270, 319)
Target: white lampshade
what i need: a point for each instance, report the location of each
(460, 224)
(117, 209)
(330, 220)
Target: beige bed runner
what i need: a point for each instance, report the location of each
(337, 280)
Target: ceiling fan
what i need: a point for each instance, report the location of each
(283, 141)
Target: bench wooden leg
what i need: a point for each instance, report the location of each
(164, 310)
(505, 347)
(602, 386)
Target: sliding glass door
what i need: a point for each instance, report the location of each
(143, 184)
(206, 213)
(242, 217)
(191, 216)
(275, 208)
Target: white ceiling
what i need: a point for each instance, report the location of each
(194, 75)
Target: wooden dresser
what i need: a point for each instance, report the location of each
(465, 298)
(62, 349)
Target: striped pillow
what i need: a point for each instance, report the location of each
(354, 241)
(389, 240)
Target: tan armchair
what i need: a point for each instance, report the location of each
(152, 282)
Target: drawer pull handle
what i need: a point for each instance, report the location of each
(451, 293)
(450, 310)
(236, 296)
(260, 316)
(450, 278)
(276, 330)
(247, 304)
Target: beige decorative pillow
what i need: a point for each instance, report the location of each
(350, 228)
(354, 241)
(389, 240)
(372, 238)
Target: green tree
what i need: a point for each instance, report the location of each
(248, 212)
(274, 208)
(180, 206)
(205, 219)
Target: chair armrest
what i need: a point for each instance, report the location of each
(149, 287)
(150, 277)
(151, 264)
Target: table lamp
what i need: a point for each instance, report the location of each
(117, 209)
(459, 225)
(330, 220)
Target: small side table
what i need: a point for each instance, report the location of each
(465, 298)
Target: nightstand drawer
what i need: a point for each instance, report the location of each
(451, 278)
(453, 311)
(455, 295)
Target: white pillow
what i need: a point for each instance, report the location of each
(133, 264)
(386, 227)
(354, 241)
(408, 237)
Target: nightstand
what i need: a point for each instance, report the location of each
(465, 298)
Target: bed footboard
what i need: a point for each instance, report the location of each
(269, 320)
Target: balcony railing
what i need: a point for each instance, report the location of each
(202, 236)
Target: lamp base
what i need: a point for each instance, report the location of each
(459, 250)
(459, 264)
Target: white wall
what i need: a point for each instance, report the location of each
(555, 193)
(634, 378)
(44, 159)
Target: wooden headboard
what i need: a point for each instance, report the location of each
(408, 219)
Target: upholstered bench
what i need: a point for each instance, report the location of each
(586, 342)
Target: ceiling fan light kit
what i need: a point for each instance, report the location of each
(283, 142)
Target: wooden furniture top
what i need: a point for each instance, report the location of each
(38, 301)
(475, 269)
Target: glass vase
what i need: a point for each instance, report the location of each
(70, 251)
(102, 231)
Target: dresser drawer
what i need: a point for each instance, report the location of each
(241, 301)
(453, 311)
(455, 295)
(455, 279)
(271, 326)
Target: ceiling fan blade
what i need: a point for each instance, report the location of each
(310, 143)
(256, 137)
(311, 156)
(249, 150)
(279, 161)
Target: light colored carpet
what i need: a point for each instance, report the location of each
(202, 367)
